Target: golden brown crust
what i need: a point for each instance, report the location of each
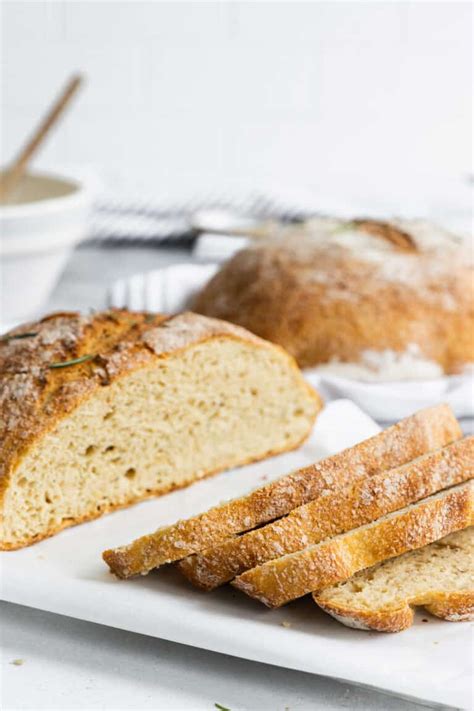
(395, 619)
(345, 508)
(391, 233)
(323, 301)
(426, 430)
(453, 607)
(289, 577)
(34, 396)
(383, 598)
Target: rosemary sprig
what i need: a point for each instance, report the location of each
(221, 708)
(18, 336)
(74, 361)
(349, 225)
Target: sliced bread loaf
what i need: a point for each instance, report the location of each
(343, 509)
(337, 559)
(438, 577)
(99, 412)
(424, 431)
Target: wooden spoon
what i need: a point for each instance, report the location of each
(14, 173)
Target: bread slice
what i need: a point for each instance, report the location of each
(343, 509)
(426, 430)
(99, 412)
(319, 566)
(439, 577)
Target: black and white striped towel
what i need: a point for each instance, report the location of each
(166, 221)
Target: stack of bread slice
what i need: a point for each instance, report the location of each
(369, 532)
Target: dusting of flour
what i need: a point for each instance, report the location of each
(383, 366)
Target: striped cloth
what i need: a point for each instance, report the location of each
(167, 221)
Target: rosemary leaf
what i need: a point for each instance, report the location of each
(75, 361)
(18, 336)
(221, 708)
(345, 226)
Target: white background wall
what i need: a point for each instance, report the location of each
(361, 98)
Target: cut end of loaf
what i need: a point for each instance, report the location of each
(215, 405)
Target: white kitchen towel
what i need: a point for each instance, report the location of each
(217, 247)
(131, 213)
(168, 289)
(171, 289)
(390, 401)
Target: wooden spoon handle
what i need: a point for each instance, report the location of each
(262, 230)
(15, 172)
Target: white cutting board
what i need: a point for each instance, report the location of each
(431, 662)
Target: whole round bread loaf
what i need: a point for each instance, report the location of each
(363, 296)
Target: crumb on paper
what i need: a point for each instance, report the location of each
(435, 642)
(17, 662)
(40, 557)
(286, 624)
(264, 477)
(424, 619)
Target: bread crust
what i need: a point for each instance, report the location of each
(343, 509)
(455, 605)
(428, 429)
(289, 577)
(394, 619)
(109, 345)
(324, 301)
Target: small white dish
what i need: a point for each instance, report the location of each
(39, 226)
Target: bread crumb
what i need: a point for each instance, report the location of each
(17, 662)
(424, 619)
(285, 624)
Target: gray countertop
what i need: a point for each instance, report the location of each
(70, 664)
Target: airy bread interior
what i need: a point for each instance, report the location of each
(445, 566)
(218, 404)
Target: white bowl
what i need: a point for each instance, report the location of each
(39, 227)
